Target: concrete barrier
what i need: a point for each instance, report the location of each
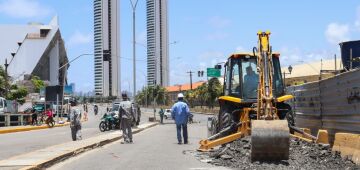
(348, 145)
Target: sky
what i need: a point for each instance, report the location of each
(206, 32)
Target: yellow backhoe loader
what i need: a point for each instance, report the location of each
(254, 104)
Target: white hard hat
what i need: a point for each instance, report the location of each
(180, 95)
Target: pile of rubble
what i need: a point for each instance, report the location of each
(303, 155)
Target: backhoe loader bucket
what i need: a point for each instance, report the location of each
(269, 140)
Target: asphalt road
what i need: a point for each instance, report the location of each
(155, 148)
(13, 144)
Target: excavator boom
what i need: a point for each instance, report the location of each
(269, 135)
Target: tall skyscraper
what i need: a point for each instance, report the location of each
(157, 42)
(106, 47)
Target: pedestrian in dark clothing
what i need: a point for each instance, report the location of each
(139, 115)
(75, 124)
(96, 109)
(180, 113)
(125, 124)
(34, 117)
(161, 113)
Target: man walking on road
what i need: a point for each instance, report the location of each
(125, 125)
(161, 113)
(75, 124)
(180, 113)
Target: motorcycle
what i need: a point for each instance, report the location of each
(109, 121)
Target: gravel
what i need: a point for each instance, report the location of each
(303, 155)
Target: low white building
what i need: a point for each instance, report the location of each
(33, 49)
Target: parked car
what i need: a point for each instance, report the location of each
(167, 114)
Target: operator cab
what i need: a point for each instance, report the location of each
(242, 77)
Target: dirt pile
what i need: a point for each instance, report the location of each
(303, 155)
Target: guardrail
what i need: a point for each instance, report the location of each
(14, 119)
(332, 104)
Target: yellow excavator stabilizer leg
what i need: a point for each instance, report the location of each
(206, 145)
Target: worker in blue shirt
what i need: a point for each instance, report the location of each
(180, 113)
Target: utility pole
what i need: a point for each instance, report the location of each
(133, 5)
(6, 66)
(190, 73)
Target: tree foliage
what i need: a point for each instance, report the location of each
(4, 82)
(206, 94)
(153, 93)
(17, 93)
(38, 83)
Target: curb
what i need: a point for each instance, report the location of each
(203, 113)
(30, 128)
(59, 157)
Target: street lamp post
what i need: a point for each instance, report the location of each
(290, 70)
(133, 5)
(63, 80)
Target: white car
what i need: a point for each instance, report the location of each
(167, 114)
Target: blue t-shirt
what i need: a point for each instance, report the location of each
(180, 112)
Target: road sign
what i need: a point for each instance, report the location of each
(213, 72)
(68, 90)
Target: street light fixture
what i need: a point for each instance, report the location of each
(133, 5)
(290, 68)
(63, 80)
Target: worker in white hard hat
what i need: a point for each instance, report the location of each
(180, 113)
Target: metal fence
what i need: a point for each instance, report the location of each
(14, 119)
(332, 104)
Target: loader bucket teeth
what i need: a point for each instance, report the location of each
(269, 140)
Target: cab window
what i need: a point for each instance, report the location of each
(250, 78)
(235, 79)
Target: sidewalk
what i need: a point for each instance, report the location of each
(45, 157)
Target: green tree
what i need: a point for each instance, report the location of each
(151, 93)
(214, 91)
(4, 83)
(17, 93)
(38, 83)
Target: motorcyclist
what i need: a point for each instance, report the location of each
(49, 115)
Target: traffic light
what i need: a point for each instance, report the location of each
(218, 66)
(200, 73)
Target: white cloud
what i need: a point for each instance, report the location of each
(141, 38)
(23, 8)
(208, 55)
(219, 22)
(357, 21)
(294, 56)
(217, 36)
(240, 49)
(336, 33)
(79, 38)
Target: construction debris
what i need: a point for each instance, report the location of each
(303, 155)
